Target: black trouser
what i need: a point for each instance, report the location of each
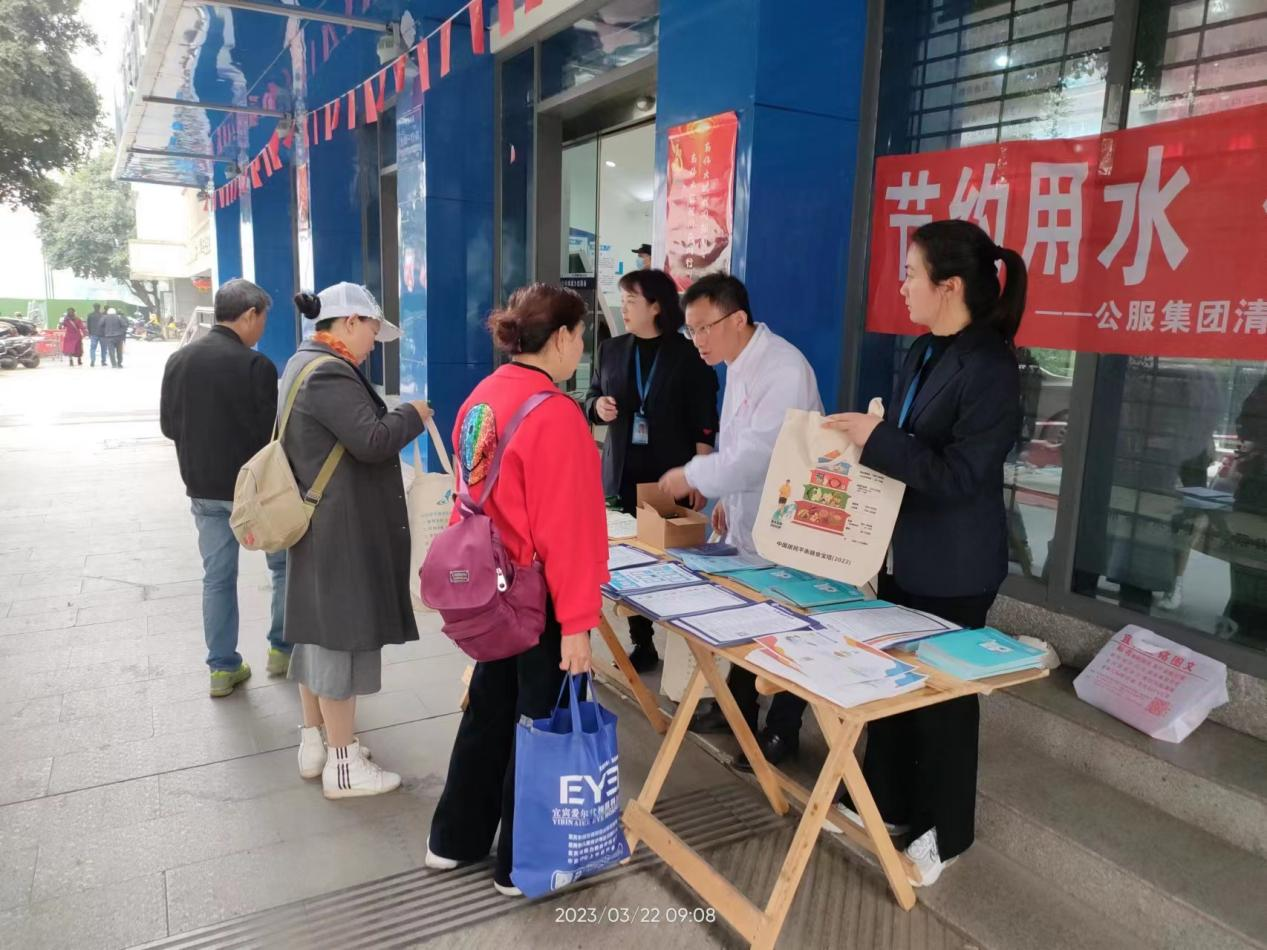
(641, 631)
(479, 793)
(115, 346)
(783, 718)
(922, 765)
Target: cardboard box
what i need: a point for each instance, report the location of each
(663, 524)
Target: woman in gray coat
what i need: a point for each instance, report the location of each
(347, 580)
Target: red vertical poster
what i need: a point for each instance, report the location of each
(700, 198)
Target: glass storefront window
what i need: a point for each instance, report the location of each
(956, 74)
(1173, 516)
(619, 33)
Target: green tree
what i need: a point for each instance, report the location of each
(48, 108)
(87, 225)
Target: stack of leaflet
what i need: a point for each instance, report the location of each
(976, 654)
(725, 628)
(839, 669)
(621, 525)
(666, 591)
(883, 625)
(798, 588)
(714, 559)
(621, 556)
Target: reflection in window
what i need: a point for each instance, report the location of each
(619, 33)
(1173, 520)
(957, 73)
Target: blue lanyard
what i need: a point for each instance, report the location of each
(643, 388)
(913, 389)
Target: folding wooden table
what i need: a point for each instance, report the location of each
(841, 726)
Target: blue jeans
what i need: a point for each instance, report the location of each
(96, 343)
(219, 550)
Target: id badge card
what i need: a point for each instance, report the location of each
(641, 430)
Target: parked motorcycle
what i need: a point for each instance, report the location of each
(17, 344)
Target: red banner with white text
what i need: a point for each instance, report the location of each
(1150, 241)
(700, 198)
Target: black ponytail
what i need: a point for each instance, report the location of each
(961, 249)
(309, 304)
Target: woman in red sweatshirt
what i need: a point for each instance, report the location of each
(548, 502)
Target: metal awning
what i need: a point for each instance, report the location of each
(190, 66)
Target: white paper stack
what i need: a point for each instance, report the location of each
(743, 624)
(882, 625)
(841, 670)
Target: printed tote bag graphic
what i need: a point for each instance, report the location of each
(821, 511)
(430, 503)
(567, 796)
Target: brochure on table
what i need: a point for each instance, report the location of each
(674, 602)
(883, 625)
(834, 667)
(655, 576)
(621, 556)
(976, 654)
(726, 628)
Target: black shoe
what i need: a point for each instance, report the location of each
(644, 658)
(710, 720)
(777, 748)
(740, 763)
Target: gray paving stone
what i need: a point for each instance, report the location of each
(225, 887)
(30, 712)
(235, 780)
(17, 588)
(105, 699)
(146, 757)
(94, 859)
(122, 914)
(83, 677)
(32, 623)
(26, 779)
(203, 712)
(64, 817)
(97, 598)
(60, 738)
(16, 872)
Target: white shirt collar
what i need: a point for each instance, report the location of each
(747, 357)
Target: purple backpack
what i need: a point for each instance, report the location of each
(491, 608)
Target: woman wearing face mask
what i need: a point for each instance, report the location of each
(953, 420)
(547, 504)
(347, 580)
(658, 399)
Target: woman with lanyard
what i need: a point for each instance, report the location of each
(959, 399)
(658, 399)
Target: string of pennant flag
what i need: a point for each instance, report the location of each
(364, 101)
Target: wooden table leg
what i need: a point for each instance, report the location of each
(798, 855)
(668, 752)
(705, 663)
(646, 701)
(881, 844)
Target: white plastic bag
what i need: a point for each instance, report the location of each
(821, 510)
(1160, 687)
(430, 503)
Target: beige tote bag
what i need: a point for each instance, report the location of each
(821, 511)
(430, 503)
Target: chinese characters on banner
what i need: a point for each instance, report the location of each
(1143, 242)
(700, 198)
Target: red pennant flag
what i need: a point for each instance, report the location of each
(255, 174)
(274, 151)
(351, 108)
(332, 117)
(381, 78)
(289, 140)
(329, 40)
(371, 107)
(266, 157)
(424, 66)
(531, 5)
(476, 8)
(446, 38)
(219, 199)
(506, 16)
(398, 70)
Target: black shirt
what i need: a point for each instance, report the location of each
(218, 405)
(641, 464)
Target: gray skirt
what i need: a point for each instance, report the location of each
(336, 674)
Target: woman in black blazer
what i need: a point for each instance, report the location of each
(658, 399)
(953, 420)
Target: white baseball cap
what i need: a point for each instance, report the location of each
(353, 300)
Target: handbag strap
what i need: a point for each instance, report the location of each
(318, 488)
(574, 704)
(470, 505)
(438, 444)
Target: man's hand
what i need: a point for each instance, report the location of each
(696, 500)
(606, 409)
(857, 426)
(576, 657)
(423, 408)
(720, 526)
(674, 483)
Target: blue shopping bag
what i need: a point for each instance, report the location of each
(567, 796)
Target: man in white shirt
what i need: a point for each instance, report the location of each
(766, 376)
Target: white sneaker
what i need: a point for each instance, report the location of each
(508, 891)
(1174, 599)
(922, 853)
(853, 816)
(437, 863)
(349, 774)
(312, 751)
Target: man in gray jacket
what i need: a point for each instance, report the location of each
(114, 330)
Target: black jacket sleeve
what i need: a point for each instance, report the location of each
(264, 397)
(596, 384)
(983, 433)
(702, 406)
(169, 412)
